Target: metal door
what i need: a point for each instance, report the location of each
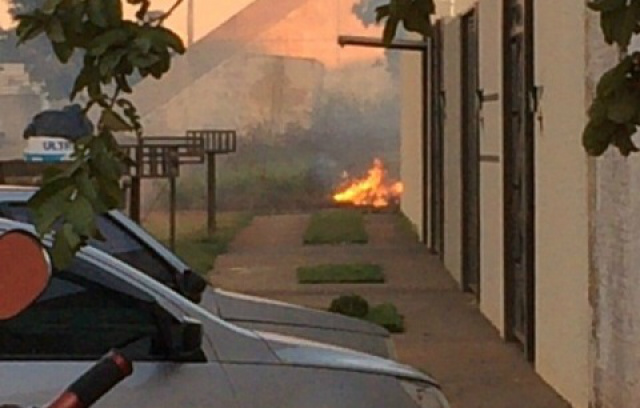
(470, 154)
(437, 142)
(519, 185)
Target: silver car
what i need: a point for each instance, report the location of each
(130, 243)
(184, 356)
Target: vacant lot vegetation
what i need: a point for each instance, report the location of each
(192, 242)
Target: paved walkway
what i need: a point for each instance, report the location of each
(446, 336)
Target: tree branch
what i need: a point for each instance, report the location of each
(161, 19)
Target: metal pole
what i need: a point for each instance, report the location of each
(135, 198)
(172, 213)
(190, 22)
(171, 160)
(211, 194)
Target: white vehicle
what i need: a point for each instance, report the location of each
(183, 355)
(48, 149)
(130, 243)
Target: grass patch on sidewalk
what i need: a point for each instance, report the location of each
(384, 314)
(193, 245)
(336, 227)
(348, 273)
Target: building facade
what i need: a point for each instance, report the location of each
(500, 187)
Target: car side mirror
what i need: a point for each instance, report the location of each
(193, 285)
(25, 270)
(186, 341)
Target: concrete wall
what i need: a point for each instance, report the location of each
(452, 150)
(615, 259)
(491, 164)
(411, 145)
(272, 91)
(562, 247)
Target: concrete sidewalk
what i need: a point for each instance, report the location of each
(446, 336)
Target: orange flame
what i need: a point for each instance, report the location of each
(372, 190)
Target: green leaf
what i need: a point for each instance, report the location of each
(614, 79)
(49, 6)
(390, 29)
(597, 137)
(598, 111)
(55, 31)
(29, 29)
(97, 13)
(81, 216)
(49, 202)
(382, 12)
(109, 61)
(610, 22)
(167, 38)
(65, 245)
(63, 51)
(629, 24)
(622, 140)
(113, 12)
(114, 122)
(624, 108)
(606, 5)
(419, 23)
(111, 38)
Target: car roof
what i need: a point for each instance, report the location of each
(16, 193)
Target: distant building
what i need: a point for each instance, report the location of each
(20, 100)
(262, 68)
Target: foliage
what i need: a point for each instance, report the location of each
(349, 273)
(385, 314)
(114, 49)
(615, 112)
(38, 57)
(350, 305)
(414, 15)
(336, 227)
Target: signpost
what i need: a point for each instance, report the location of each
(215, 142)
(160, 157)
(154, 157)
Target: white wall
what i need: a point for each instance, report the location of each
(452, 150)
(411, 139)
(491, 164)
(562, 245)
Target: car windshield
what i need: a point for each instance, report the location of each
(117, 242)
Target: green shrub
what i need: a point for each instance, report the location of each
(350, 305)
(387, 316)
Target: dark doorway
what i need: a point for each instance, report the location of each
(436, 119)
(519, 187)
(470, 154)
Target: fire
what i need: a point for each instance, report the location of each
(373, 190)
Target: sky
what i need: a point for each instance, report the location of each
(208, 14)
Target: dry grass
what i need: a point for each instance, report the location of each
(192, 243)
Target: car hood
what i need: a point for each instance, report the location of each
(238, 308)
(303, 353)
